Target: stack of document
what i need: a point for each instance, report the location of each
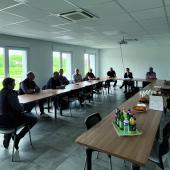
(156, 103)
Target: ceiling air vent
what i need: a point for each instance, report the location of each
(77, 15)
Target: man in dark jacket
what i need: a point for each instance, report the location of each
(54, 82)
(63, 79)
(11, 112)
(112, 74)
(128, 76)
(28, 86)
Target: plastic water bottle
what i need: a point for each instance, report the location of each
(126, 125)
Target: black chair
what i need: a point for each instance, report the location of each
(49, 100)
(160, 150)
(90, 121)
(106, 85)
(73, 95)
(87, 93)
(13, 131)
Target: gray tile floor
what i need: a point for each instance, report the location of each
(54, 141)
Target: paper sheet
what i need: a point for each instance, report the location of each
(156, 103)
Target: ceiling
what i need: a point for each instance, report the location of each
(147, 20)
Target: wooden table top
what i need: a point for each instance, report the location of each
(103, 137)
(27, 98)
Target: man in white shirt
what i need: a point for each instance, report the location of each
(76, 77)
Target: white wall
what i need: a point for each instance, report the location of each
(40, 55)
(138, 59)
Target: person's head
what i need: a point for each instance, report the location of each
(30, 76)
(90, 70)
(8, 83)
(56, 75)
(61, 71)
(111, 69)
(77, 71)
(150, 69)
(127, 69)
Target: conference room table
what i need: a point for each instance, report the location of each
(44, 94)
(136, 80)
(136, 149)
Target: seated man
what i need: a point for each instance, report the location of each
(112, 74)
(54, 82)
(151, 75)
(63, 79)
(127, 82)
(90, 75)
(28, 86)
(11, 113)
(77, 76)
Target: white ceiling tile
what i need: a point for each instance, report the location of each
(155, 25)
(168, 10)
(167, 2)
(27, 11)
(53, 20)
(7, 19)
(53, 6)
(150, 13)
(105, 10)
(135, 5)
(6, 3)
(88, 3)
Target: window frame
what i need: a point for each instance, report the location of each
(61, 60)
(89, 62)
(7, 56)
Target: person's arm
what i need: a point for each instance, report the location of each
(66, 81)
(60, 87)
(114, 74)
(48, 86)
(37, 89)
(92, 77)
(73, 78)
(131, 75)
(14, 102)
(125, 75)
(25, 89)
(155, 75)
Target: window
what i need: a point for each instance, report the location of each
(17, 65)
(13, 64)
(62, 60)
(2, 66)
(89, 62)
(56, 61)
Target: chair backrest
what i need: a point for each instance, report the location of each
(44, 87)
(92, 120)
(164, 146)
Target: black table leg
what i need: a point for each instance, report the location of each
(135, 167)
(55, 110)
(88, 158)
(61, 113)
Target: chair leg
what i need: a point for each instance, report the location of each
(36, 110)
(85, 164)
(110, 160)
(30, 136)
(70, 109)
(97, 155)
(13, 149)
